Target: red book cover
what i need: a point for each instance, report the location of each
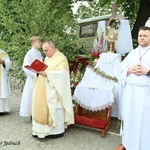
(37, 66)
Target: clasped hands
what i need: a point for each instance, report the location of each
(137, 70)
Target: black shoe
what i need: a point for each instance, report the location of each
(34, 136)
(55, 135)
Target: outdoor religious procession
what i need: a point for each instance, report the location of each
(75, 78)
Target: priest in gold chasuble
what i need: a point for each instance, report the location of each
(52, 108)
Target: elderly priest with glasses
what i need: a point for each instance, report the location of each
(52, 108)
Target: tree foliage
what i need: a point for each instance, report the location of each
(22, 19)
(103, 7)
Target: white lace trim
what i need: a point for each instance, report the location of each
(94, 108)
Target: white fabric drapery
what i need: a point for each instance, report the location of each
(96, 93)
(124, 42)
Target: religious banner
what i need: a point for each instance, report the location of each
(100, 45)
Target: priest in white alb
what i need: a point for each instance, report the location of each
(5, 64)
(136, 95)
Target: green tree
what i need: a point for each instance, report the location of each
(142, 15)
(103, 7)
(21, 19)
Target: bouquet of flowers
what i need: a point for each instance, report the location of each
(75, 78)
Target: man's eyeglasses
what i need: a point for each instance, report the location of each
(45, 51)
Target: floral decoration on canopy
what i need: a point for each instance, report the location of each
(103, 74)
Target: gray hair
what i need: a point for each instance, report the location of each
(50, 43)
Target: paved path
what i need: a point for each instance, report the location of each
(16, 134)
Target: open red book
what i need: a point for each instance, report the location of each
(36, 66)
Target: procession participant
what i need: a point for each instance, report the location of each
(52, 107)
(31, 55)
(136, 95)
(5, 64)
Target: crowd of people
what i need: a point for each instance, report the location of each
(47, 97)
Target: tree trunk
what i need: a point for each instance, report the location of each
(142, 17)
